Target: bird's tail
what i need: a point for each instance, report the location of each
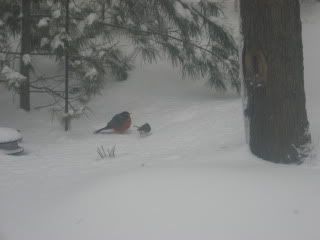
(101, 129)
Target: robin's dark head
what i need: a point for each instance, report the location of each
(125, 114)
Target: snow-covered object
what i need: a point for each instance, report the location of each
(9, 139)
(43, 22)
(9, 135)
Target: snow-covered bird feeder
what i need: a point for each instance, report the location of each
(9, 141)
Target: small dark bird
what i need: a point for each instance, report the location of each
(144, 129)
(119, 123)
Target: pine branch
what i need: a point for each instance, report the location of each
(141, 32)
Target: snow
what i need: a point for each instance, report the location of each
(1, 23)
(9, 135)
(81, 26)
(44, 41)
(56, 13)
(74, 6)
(57, 42)
(91, 18)
(2, 56)
(218, 20)
(50, 3)
(144, 27)
(43, 22)
(193, 178)
(13, 78)
(182, 11)
(26, 58)
(91, 74)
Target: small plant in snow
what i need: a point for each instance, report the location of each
(110, 152)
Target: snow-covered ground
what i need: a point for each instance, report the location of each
(193, 178)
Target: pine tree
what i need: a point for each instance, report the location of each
(190, 34)
(10, 26)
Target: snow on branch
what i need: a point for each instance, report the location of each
(182, 11)
(13, 78)
(43, 22)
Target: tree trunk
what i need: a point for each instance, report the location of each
(66, 91)
(25, 48)
(103, 11)
(272, 60)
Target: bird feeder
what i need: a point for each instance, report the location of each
(9, 141)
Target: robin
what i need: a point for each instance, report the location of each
(144, 129)
(119, 123)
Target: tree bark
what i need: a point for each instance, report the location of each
(25, 48)
(272, 60)
(66, 91)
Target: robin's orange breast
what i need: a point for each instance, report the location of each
(126, 125)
